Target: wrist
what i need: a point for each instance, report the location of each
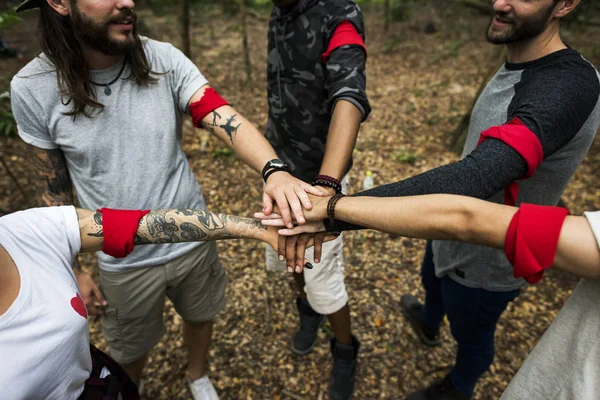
(273, 166)
(278, 172)
(327, 181)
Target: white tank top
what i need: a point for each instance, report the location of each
(44, 341)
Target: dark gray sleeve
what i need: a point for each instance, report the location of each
(491, 167)
(346, 78)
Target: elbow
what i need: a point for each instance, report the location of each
(465, 226)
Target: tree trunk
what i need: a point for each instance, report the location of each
(247, 62)
(185, 28)
(386, 15)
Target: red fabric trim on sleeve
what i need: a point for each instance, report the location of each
(344, 34)
(525, 142)
(120, 228)
(210, 101)
(532, 240)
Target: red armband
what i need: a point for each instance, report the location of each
(523, 141)
(120, 228)
(532, 239)
(210, 101)
(344, 34)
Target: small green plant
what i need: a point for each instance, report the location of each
(224, 153)
(7, 19)
(453, 47)
(406, 157)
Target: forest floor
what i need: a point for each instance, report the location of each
(420, 86)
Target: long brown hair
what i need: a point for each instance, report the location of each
(59, 44)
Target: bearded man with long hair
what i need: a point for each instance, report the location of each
(101, 109)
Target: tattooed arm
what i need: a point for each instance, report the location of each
(175, 226)
(254, 150)
(52, 183)
(53, 187)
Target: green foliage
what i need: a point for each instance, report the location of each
(224, 153)
(8, 18)
(406, 157)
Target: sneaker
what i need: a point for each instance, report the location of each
(343, 374)
(310, 322)
(442, 390)
(411, 308)
(202, 389)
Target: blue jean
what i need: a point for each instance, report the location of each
(473, 315)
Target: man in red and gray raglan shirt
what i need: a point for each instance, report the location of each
(529, 131)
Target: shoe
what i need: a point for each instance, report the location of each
(202, 389)
(411, 308)
(310, 322)
(343, 374)
(442, 390)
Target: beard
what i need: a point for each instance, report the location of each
(519, 30)
(96, 35)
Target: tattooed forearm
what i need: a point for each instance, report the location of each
(52, 183)
(95, 230)
(174, 226)
(184, 225)
(211, 126)
(230, 125)
(229, 128)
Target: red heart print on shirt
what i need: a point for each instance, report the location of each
(78, 306)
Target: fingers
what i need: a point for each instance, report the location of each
(262, 215)
(303, 197)
(273, 222)
(281, 247)
(312, 190)
(290, 253)
(318, 246)
(295, 205)
(300, 250)
(284, 208)
(267, 204)
(99, 296)
(312, 227)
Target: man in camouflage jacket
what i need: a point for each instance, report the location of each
(316, 94)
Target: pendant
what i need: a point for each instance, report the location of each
(107, 91)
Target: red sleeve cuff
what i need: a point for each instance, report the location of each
(519, 137)
(523, 141)
(345, 34)
(210, 101)
(532, 240)
(119, 228)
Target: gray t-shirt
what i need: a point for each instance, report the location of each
(565, 364)
(129, 155)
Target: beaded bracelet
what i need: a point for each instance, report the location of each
(331, 205)
(337, 186)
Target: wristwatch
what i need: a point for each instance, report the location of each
(274, 166)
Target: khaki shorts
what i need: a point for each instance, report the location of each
(133, 321)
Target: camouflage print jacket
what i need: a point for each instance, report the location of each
(301, 88)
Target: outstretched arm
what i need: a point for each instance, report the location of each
(450, 217)
(178, 225)
(252, 147)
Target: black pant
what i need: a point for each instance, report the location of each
(473, 315)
